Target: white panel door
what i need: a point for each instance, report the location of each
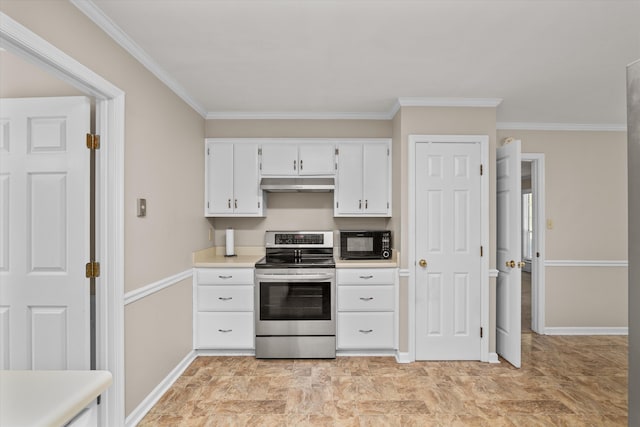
(448, 239)
(44, 222)
(509, 248)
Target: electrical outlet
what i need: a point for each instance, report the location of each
(549, 224)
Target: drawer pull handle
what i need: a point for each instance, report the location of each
(366, 298)
(367, 277)
(225, 277)
(224, 331)
(225, 298)
(365, 331)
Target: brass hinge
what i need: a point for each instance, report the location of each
(481, 251)
(481, 332)
(481, 170)
(92, 269)
(93, 141)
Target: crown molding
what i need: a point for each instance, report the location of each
(281, 115)
(94, 13)
(595, 127)
(401, 102)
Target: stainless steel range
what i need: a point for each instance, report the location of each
(295, 296)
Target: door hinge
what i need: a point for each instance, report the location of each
(260, 151)
(387, 152)
(337, 205)
(481, 170)
(387, 205)
(258, 205)
(537, 254)
(207, 205)
(481, 332)
(208, 151)
(93, 141)
(337, 151)
(92, 269)
(481, 251)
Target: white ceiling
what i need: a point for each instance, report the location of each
(549, 61)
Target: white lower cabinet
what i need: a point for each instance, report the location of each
(223, 309)
(366, 300)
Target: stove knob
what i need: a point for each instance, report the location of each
(386, 255)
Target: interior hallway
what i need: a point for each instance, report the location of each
(570, 380)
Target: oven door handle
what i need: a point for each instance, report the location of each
(294, 277)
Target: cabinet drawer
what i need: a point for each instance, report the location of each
(366, 298)
(224, 330)
(365, 331)
(225, 298)
(370, 276)
(225, 276)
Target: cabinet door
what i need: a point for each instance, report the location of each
(219, 178)
(279, 159)
(246, 189)
(365, 331)
(376, 178)
(348, 194)
(316, 158)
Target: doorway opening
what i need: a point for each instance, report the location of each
(533, 227)
(109, 123)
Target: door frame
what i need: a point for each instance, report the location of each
(110, 200)
(537, 263)
(483, 140)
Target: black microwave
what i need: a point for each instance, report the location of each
(372, 244)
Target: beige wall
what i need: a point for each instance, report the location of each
(586, 200)
(444, 121)
(20, 79)
(163, 163)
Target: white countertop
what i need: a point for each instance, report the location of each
(247, 257)
(48, 398)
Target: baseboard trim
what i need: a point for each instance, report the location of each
(493, 358)
(207, 352)
(365, 353)
(154, 287)
(152, 398)
(580, 330)
(403, 357)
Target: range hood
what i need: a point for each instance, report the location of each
(297, 185)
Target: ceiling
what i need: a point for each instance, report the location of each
(548, 62)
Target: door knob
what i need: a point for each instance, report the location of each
(521, 264)
(422, 263)
(511, 264)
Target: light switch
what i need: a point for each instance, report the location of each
(142, 207)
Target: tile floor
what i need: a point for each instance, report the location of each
(564, 381)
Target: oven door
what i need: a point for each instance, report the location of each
(295, 302)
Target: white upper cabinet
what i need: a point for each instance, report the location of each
(298, 158)
(363, 184)
(231, 179)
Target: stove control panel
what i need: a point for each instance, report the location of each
(299, 239)
(284, 239)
